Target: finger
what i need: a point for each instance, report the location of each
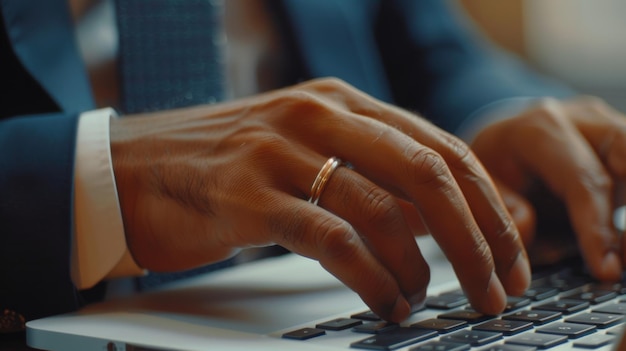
(605, 130)
(560, 155)
(314, 232)
(413, 218)
(489, 211)
(521, 211)
(380, 221)
(493, 219)
(414, 172)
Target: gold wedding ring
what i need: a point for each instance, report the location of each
(322, 178)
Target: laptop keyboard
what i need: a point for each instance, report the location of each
(563, 308)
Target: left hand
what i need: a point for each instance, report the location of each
(578, 149)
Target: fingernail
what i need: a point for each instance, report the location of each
(401, 310)
(496, 296)
(519, 276)
(417, 301)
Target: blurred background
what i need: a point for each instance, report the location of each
(581, 42)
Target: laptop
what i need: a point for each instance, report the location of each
(291, 303)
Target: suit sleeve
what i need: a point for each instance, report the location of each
(36, 182)
(440, 67)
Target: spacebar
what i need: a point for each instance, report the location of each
(394, 339)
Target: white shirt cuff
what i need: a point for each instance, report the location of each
(99, 247)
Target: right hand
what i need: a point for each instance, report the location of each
(196, 184)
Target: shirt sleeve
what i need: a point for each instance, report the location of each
(99, 249)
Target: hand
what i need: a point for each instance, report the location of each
(578, 149)
(196, 184)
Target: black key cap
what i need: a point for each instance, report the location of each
(339, 324)
(594, 341)
(571, 330)
(536, 317)
(394, 339)
(375, 327)
(503, 326)
(442, 326)
(541, 292)
(446, 301)
(440, 346)
(470, 316)
(593, 296)
(515, 302)
(540, 341)
(505, 347)
(600, 320)
(472, 337)
(304, 333)
(566, 283)
(563, 306)
(619, 288)
(366, 316)
(615, 308)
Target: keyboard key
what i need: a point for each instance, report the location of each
(600, 320)
(563, 306)
(571, 330)
(503, 326)
(541, 293)
(470, 316)
(506, 347)
(304, 334)
(441, 326)
(536, 317)
(615, 308)
(441, 346)
(472, 337)
(540, 341)
(394, 339)
(619, 288)
(515, 302)
(567, 282)
(593, 296)
(375, 327)
(366, 316)
(446, 301)
(594, 341)
(339, 324)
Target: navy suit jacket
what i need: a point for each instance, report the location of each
(409, 52)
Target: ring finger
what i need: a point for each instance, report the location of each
(379, 220)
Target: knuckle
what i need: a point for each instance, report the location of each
(459, 154)
(593, 181)
(506, 232)
(330, 83)
(260, 143)
(548, 112)
(381, 208)
(481, 253)
(428, 168)
(296, 108)
(336, 240)
(297, 98)
(288, 225)
(546, 119)
(593, 103)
